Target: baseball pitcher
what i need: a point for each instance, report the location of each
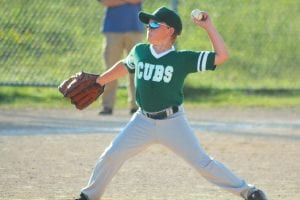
(160, 71)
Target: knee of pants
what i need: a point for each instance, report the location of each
(113, 155)
(203, 162)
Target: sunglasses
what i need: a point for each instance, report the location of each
(155, 25)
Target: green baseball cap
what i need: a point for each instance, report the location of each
(165, 15)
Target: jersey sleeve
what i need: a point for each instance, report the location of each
(199, 61)
(129, 61)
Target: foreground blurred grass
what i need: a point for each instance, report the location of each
(29, 97)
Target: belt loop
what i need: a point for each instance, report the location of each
(169, 111)
(175, 109)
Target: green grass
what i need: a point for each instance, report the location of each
(32, 97)
(271, 98)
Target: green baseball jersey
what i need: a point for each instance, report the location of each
(159, 78)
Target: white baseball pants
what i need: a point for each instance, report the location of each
(174, 133)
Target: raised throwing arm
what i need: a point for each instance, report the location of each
(217, 41)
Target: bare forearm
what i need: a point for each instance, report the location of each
(117, 71)
(134, 1)
(218, 45)
(217, 41)
(113, 3)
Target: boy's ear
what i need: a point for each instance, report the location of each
(172, 30)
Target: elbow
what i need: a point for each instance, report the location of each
(225, 57)
(134, 1)
(222, 58)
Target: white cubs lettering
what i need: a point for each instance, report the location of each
(140, 70)
(155, 73)
(168, 74)
(159, 73)
(148, 71)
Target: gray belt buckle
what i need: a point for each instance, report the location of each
(169, 111)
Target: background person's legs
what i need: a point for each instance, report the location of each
(113, 52)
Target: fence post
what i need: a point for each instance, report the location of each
(175, 5)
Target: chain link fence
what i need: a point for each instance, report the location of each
(43, 42)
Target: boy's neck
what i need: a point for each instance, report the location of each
(162, 48)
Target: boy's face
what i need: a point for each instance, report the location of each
(158, 32)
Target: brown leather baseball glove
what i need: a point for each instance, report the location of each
(82, 89)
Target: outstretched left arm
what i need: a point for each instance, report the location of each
(115, 72)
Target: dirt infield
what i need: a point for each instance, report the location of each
(49, 154)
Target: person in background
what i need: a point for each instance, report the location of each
(122, 30)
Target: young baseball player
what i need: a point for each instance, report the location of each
(160, 71)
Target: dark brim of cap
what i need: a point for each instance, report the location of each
(145, 17)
